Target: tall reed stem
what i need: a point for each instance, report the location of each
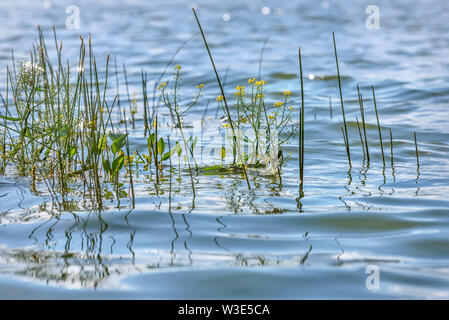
(342, 106)
(416, 151)
(378, 127)
(391, 149)
(301, 125)
(224, 99)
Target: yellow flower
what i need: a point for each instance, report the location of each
(271, 116)
(226, 125)
(260, 96)
(162, 85)
(287, 93)
(260, 83)
(178, 67)
(219, 98)
(200, 86)
(251, 80)
(240, 91)
(278, 104)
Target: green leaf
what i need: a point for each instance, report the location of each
(169, 154)
(71, 151)
(213, 168)
(101, 144)
(107, 165)
(150, 142)
(118, 143)
(115, 136)
(178, 148)
(223, 153)
(193, 143)
(160, 146)
(118, 163)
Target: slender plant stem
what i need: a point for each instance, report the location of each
(361, 139)
(416, 151)
(362, 112)
(224, 99)
(341, 101)
(301, 124)
(378, 127)
(391, 150)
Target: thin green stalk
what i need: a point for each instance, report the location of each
(362, 112)
(391, 150)
(378, 127)
(416, 151)
(155, 150)
(301, 125)
(133, 199)
(342, 106)
(224, 99)
(361, 139)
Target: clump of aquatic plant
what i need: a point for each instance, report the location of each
(171, 99)
(55, 127)
(264, 129)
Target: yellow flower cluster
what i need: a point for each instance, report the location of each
(287, 93)
(271, 116)
(226, 125)
(251, 80)
(162, 85)
(278, 104)
(219, 98)
(260, 83)
(240, 91)
(200, 86)
(178, 67)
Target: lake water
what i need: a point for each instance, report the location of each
(263, 243)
